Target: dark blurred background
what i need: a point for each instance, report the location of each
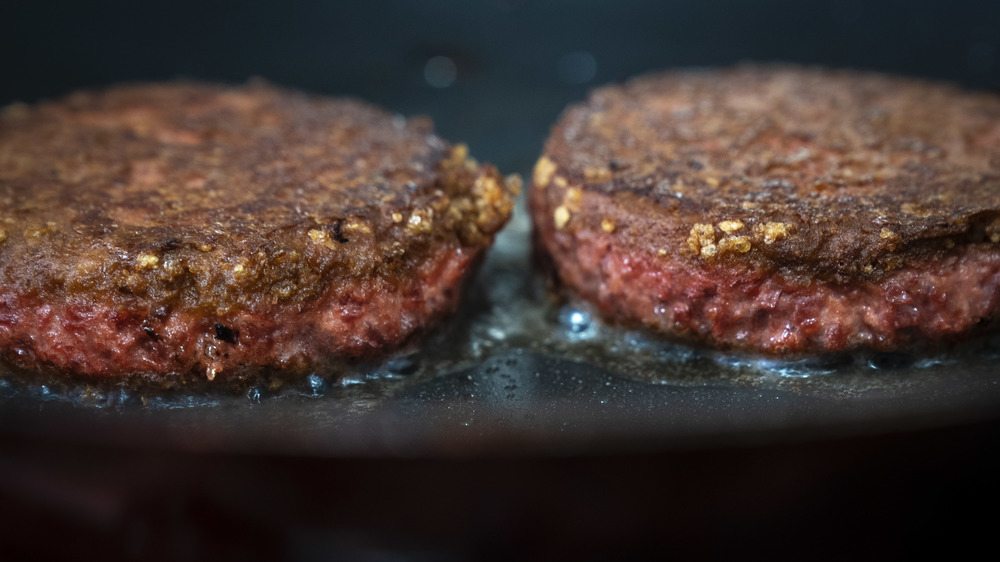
(495, 74)
(492, 73)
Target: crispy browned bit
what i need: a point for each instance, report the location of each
(222, 205)
(224, 333)
(828, 188)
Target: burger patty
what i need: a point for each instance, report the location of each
(778, 209)
(181, 228)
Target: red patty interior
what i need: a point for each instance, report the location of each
(738, 307)
(350, 320)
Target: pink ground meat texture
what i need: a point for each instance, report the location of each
(745, 309)
(355, 321)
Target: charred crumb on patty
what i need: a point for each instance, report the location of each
(174, 209)
(810, 179)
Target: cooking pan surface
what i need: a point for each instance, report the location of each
(515, 372)
(518, 372)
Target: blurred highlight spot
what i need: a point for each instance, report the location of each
(579, 67)
(440, 72)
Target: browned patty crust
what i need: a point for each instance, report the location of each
(188, 228)
(778, 209)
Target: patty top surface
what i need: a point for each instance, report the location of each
(223, 196)
(836, 174)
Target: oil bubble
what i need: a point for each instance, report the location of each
(577, 324)
(317, 384)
